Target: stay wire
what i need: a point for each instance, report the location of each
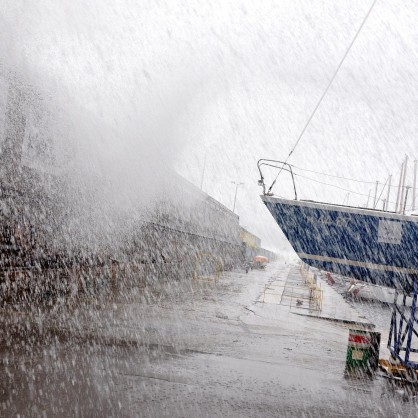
(333, 185)
(325, 92)
(322, 173)
(333, 175)
(346, 178)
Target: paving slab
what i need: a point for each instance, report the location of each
(292, 291)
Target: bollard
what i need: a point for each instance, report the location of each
(362, 351)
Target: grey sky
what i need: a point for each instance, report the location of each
(234, 81)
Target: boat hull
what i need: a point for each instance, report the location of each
(379, 247)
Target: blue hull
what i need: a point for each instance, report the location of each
(375, 246)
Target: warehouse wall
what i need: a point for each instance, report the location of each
(163, 248)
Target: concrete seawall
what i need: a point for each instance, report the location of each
(164, 247)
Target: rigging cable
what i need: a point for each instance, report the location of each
(333, 175)
(342, 177)
(325, 92)
(333, 185)
(322, 173)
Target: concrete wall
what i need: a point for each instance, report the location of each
(249, 239)
(250, 253)
(252, 246)
(163, 249)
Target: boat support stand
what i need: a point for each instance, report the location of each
(403, 331)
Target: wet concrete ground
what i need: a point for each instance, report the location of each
(206, 350)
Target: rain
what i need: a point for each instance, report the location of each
(140, 272)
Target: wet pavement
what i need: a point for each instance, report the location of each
(202, 349)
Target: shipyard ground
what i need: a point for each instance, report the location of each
(204, 349)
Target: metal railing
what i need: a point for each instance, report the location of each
(273, 163)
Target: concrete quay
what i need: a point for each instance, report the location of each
(202, 349)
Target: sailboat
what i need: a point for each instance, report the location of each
(378, 246)
(368, 244)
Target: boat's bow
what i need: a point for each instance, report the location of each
(367, 244)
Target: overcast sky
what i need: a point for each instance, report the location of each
(234, 81)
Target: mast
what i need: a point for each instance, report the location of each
(399, 188)
(375, 195)
(403, 185)
(387, 196)
(414, 186)
(406, 198)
